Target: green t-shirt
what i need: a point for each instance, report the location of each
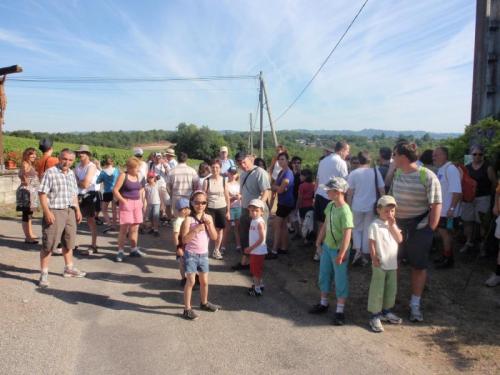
(337, 220)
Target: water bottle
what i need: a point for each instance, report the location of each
(449, 223)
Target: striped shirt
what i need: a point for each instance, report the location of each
(412, 195)
(61, 188)
(181, 180)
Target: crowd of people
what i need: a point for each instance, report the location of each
(387, 211)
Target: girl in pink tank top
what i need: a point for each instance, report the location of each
(196, 231)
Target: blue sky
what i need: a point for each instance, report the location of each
(405, 65)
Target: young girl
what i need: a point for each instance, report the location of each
(195, 231)
(153, 203)
(258, 247)
(233, 187)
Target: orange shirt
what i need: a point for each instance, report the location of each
(45, 163)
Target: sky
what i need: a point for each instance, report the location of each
(404, 65)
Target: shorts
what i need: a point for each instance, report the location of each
(195, 262)
(131, 212)
(283, 211)
(27, 215)
(63, 230)
(257, 265)
(235, 213)
(303, 211)
(87, 203)
(107, 197)
(320, 204)
(416, 247)
(219, 216)
(443, 222)
(153, 212)
(98, 200)
(471, 210)
(330, 271)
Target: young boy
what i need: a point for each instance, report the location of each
(183, 210)
(333, 244)
(258, 248)
(384, 237)
(153, 203)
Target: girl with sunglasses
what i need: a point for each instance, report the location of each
(196, 231)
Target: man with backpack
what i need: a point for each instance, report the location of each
(225, 161)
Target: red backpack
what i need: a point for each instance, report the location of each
(469, 185)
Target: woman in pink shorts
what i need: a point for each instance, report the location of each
(129, 192)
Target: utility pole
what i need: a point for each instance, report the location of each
(275, 139)
(261, 113)
(3, 104)
(250, 136)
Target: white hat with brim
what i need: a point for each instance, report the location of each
(138, 151)
(83, 148)
(256, 203)
(386, 200)
(170, 152)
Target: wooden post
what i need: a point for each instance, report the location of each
(3, 105)
(250, 135)
(261, 105)
(275, 139)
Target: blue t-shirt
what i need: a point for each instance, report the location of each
(286, 198)
(109, 181)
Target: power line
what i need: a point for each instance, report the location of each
(323, 64)
(90, 79)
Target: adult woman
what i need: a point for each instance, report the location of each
(218, 202)
(477, 213)
(364, 184)
(129, 192)
(27, 193)
(233, 188)
(283, 187)
(108, 177)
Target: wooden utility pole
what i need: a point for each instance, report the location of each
(275, 139)
(3, 104)
(261, 113)
(250, 136)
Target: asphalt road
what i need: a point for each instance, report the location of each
(125, 319)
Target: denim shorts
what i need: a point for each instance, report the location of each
(235, 213)
(195, 262)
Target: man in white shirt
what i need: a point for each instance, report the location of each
(143, 166)
(451, 191)
(225, 161)
(170, 156)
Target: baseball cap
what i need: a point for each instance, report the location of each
(138, 151)
(45, 144)
(386, 200)
(182, 203)
(336, 183)
(151, 174)
(224, 149)
(256, 203)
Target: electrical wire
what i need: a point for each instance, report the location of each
(86, 80)
(323, 63)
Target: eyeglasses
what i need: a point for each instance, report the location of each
(199, 203)
(477, 154)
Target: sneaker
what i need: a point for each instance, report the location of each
(73, 272)
(107, 229)
(282, 251)
(254, 293)
(446, 262)
(415, 314)
(222, 250)
(120, 256)
(467, 246)
(217, 255)
(136, 253)
(493, 280)
(271, 255)
(240, 267)
(376, 324)
(57, 251)
(391, 318)
(190, 315)
(209, 306)
(339, 319)
(99, 221)
(357, 257)
(365, 261)
(318, 309)
(316, 257)
(43, 282)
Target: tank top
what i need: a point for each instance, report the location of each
(215, 193)
(131, 189)
(31, 177)
(253, 237)
(81, 172)
(199, 243)
(481, 177)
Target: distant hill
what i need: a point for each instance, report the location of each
(378, 132)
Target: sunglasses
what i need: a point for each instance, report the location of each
(199, 203)
(477, 154)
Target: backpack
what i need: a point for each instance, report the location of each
(469, 185)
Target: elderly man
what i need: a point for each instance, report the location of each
(143, 166)
(225, 161)
(254, 184)
(170, 156)
(181, 181)
(61, 213)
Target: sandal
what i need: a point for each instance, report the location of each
(31, 241)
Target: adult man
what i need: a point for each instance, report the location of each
(181, 180)
(451, 191)
(86, 176)
(143, 166)
(58, 199)
(47, 160)
(170, 156)
(418, 194)
(254, 184)
(332, 165)
(225, 161)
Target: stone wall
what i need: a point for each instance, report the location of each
(8, 185)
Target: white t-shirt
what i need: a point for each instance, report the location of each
(331, 166)
(234, 189)
(143, 169)
(276, 171)
(152, 194)
(254, 237)
(385, 244)
(449, 177)
(362, 182)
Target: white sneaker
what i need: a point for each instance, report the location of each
(316, 257)
(357, 256)
(493, 280)
(467, 246)
(376, 324)
(415, 314)
(391, 318)
(57, 251)
(217, 255)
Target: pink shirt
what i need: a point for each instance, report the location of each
(199, 244)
